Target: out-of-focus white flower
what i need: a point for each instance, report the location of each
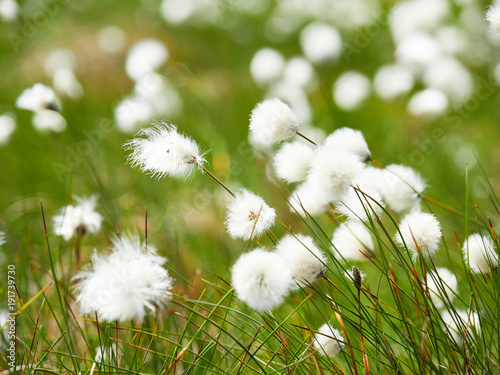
(299, 72)
(360, 203)
(248, 216)
(81, 218)
(450, 77)
(350, 140)
(392, 81)
(177, 11)
(49, 120)
(293, 160)
(267, 66)
(144, 58)
(272, 121)
(59, 59)
(460, 324)
(131, 113)
(420, 232)
(307, 197)
(261, 279)
(428, 103)
(303, 256)
(333, 170)
(493, 17)
(350, 90)
(37, 98)
(370, 178)
(161, 151)
(400, 187)
(352, 241)
(155, 91)
(453, 40)
(418, 49)
(328, 341)
(111, 39)
(320, 42)
(123, 284)
(479, 252)
(9, 10)
(2, 241)
(294, 96)
(442, 286)
(66, 83)
(7, 127)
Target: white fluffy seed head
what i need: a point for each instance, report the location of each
(303, 256)
(460, 324)
(131, 113)
(267, 66)
(392, 81)
(352, 241)
(350, 140)
(350, 90)
(292, 161)
(333, 170)
(123, 284)
(307, 197)
(81, 217)
(37, 98)
(47, 120)
(161, 151)
(428, 103)
(144, 58)
(442, 286)
(272, 121)
(493, 17)
(420, 232)
(328, 341)
(320, 42)
(400, 187)
(481, 253)
(248, 216)
(66, 83)
(261, 279)
(299, 72)
(360, 203)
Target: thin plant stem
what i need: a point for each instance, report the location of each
(217, 180)
(307, 139)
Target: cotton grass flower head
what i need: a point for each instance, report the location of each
(272, 121)
(299, 72)
(350, 90)
(121, 285)
(267, 66)
(162, 151)
(360, 203)
(332, 171)
(80, 218)
(131, 113)
(420, 232)
(442, 286)
(293, 160)
(351, 140)
(392, 81)
(479, 252)
(352, 241)
(261, 279)
(37, 98)
(65, 82)
(356, 276)
(145, 57)
(461, 324)
(428, 103)
(7, 127)
(111, 39)
(248, 216)
(47, 120)
(320, 42)
(493, 17)
(328, 341)
(303, 256)
(9, 10)
(401, 187)
(306, 198)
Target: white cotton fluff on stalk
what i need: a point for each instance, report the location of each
(400, 187)
(144, 58)
(493, 17)
(131, 113)
(272, 121)
(328, 341)
(350, 90)
(320, 42)
(65, 82)
(350, 140)
(333, 170)
(352, 241)
(307, 197)
(37, 98)
(7, 127)
(299, 72)
(305, 259)
(442, 286)
(360, 203)
(161, 151)
(123, 284)
(292, 161)
(479, 252)
(111, 39)
(80, 217)
(418, 50)
(460, 324)
(267, 66)
(420, 232)
(261, 279)
(248, 216)
(49, 120)
(392, 81)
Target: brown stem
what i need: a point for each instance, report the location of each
(217, 180)
(307, 139)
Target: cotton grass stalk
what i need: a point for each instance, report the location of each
(442, 285)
